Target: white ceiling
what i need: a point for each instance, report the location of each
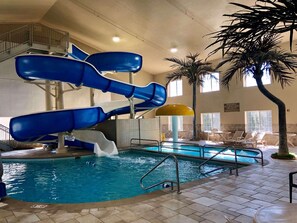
(147, 27)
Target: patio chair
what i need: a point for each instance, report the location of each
(236, 136)
(249, 139)
(213, 135)
(258, 138)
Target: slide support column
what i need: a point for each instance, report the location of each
(92, 94)
(60, 105)
(48, 99)
(61, 143)
(132, 109)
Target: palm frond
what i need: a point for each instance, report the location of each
(252, 22)
(256, 57)
(192, 68)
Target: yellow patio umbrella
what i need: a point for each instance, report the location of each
(174, 110)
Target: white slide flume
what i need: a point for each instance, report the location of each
(102, 146)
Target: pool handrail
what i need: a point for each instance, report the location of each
(202, 147)
(245, 149)
(219, 152)
(177, 182)
(148, 140)
(186, 143)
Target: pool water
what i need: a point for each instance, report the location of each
(192, 150)
(92, 179)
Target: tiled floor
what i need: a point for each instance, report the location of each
(207, 201)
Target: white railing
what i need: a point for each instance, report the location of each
(4, 132)
(31, 34)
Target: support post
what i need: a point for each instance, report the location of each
(92, 100)
(61, 143)
(59, 96)
(174, 122)
(60, 105)
(132, 108)
(48, 99)
(132, 111)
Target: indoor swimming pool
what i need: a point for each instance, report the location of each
(244, 155)
(94, 179)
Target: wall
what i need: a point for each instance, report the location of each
(16, 96)
(249, 99)
(123, 130)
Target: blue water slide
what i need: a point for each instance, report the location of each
(38, 126)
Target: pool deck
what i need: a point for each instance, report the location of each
(40, 153)
(207, 201)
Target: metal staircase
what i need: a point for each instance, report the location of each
(33, 38)
(6, 143)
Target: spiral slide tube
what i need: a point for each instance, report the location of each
(38, 126)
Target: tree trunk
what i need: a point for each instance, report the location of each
(282, 123)
(194, 109)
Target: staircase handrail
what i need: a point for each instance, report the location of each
(4, 128)
(14, 30)
(27, 35)
(8, 37)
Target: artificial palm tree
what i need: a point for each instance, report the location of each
(194, 70)
(255, 57)
(252, 22)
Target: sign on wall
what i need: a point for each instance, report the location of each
(232, 107)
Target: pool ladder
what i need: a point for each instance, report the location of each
(164, 181)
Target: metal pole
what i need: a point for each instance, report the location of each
(236, 163)
(160, 133)
(177, 174)
(139, 134)
(1, 168)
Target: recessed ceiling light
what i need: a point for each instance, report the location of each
(173, 50)
(116, 39)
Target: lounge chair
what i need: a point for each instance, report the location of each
(249, 139)
(213, 135)
(254, 141)
(259, 138)
(236, 136)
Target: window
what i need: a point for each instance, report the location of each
(249, 81)
(175, 88)
(179, 123)
(210, 83)
(210, 121)
(260, 121)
